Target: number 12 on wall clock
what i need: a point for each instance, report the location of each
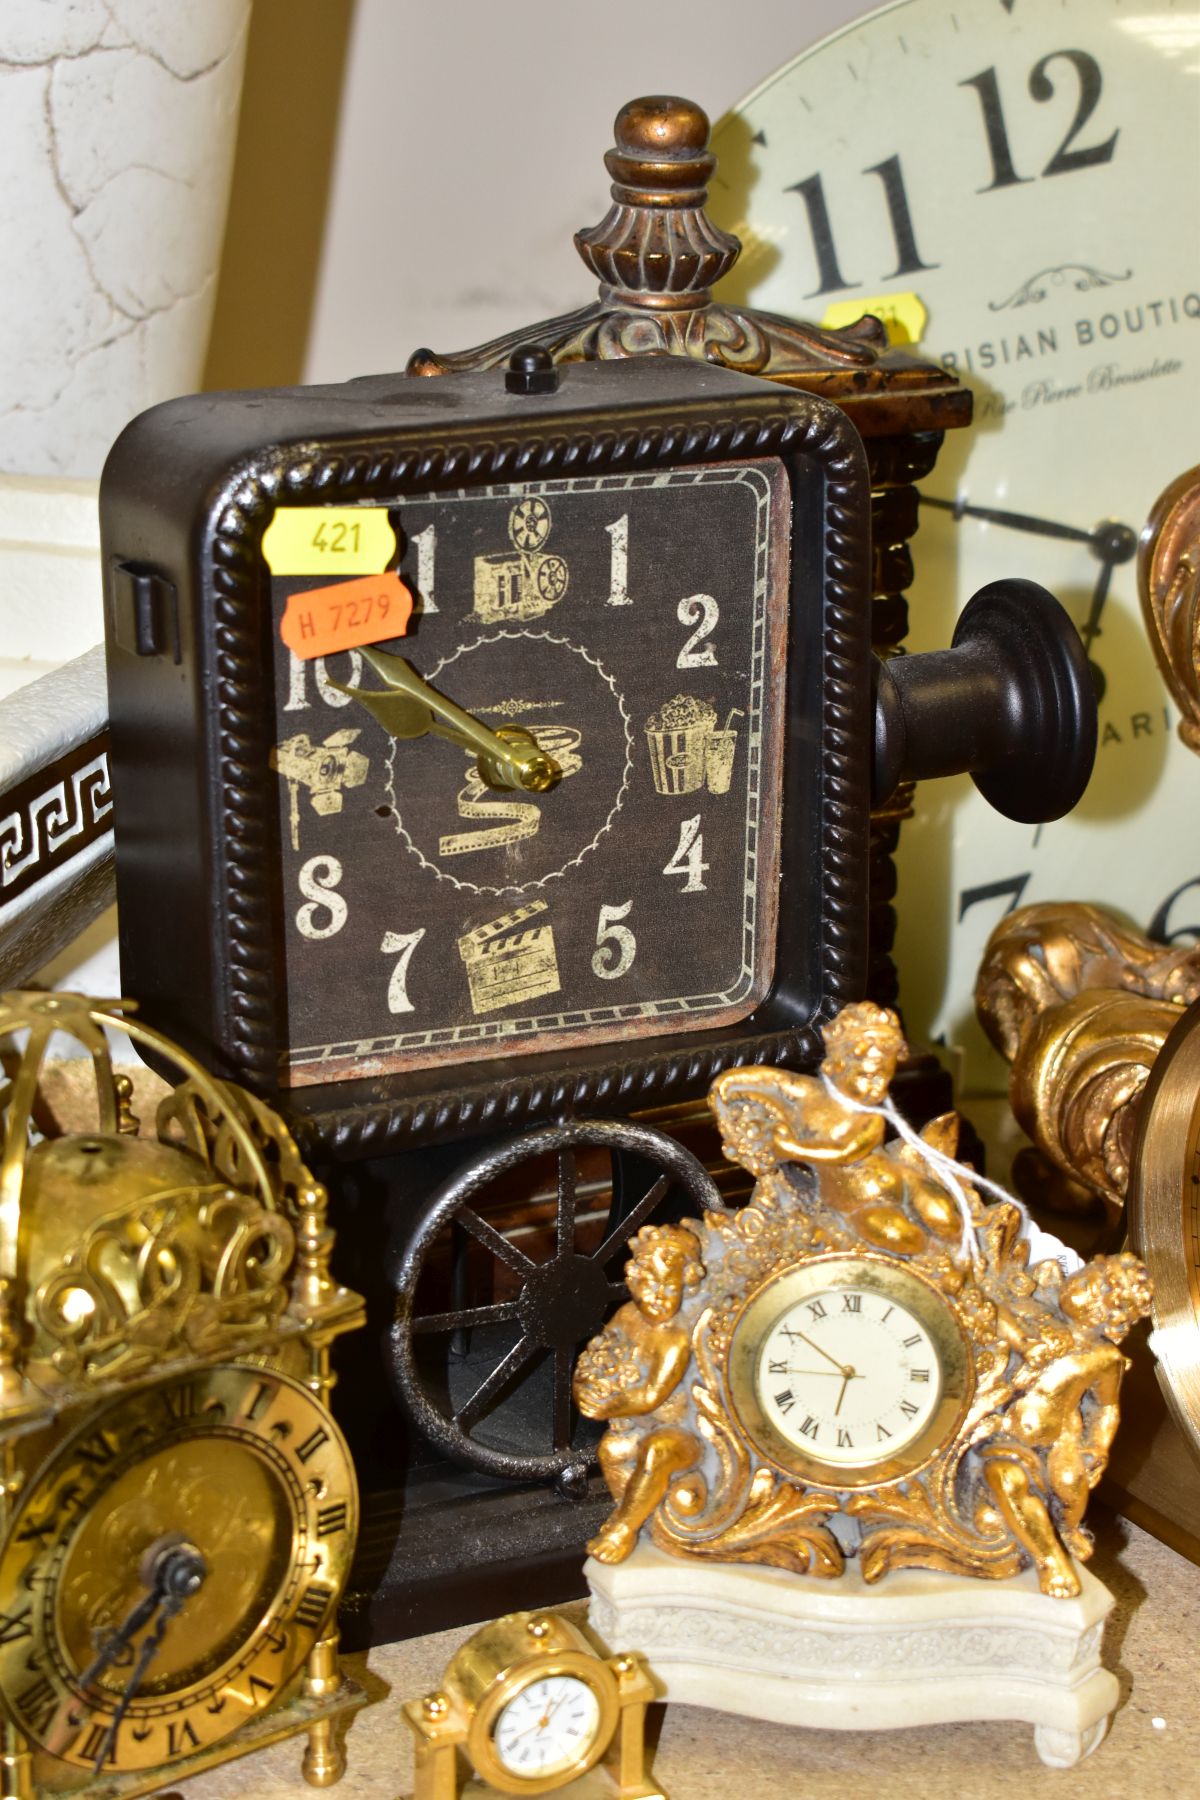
(1012, 184)
(480, 788)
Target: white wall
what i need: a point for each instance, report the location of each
(471, 148)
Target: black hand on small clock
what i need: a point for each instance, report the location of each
(176, 1570)
(410, 708)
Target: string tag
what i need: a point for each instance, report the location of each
(952, 1176)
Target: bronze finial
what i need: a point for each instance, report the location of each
(656, 246)
(656, 255)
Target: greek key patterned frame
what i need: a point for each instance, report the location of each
(242, 700)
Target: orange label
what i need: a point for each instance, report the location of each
(346, 615)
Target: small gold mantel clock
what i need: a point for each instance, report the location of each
(178, 1508)
(534, 1710)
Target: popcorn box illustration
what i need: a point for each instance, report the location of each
(510, 971)
(678, 737)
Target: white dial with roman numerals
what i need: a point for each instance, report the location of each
(1013, 181)
(849, 1374)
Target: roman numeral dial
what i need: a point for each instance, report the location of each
(848, 1375)
(241, 1479)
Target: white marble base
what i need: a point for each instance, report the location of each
(921, 1648)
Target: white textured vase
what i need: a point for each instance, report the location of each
(118, 121)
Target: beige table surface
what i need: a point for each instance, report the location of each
(1151, 1753)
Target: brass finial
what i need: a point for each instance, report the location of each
(128, 1122)
(656, 246)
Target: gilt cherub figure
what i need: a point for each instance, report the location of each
(633, 1371)
(839, 1174)
(1056, 1431)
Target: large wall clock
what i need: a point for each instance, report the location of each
(1013, 185)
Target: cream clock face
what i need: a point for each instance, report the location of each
(848, 1375)
(850, 1370)
(548, 1727)
(1014, 184)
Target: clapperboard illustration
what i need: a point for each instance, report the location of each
(509, 971)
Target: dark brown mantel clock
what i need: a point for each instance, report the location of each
(495, 758)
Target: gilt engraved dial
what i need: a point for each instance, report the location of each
(548, 1727)
(848, 1374)
(233, 1478)
(632, 629)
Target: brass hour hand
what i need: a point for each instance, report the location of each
(409, 708)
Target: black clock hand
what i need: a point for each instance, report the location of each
(1018, 521)
(177, 1570)
(1119, 544)
(1110, 541)
(121, 1638)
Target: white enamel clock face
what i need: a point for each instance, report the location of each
(1026, 174)
(547, 1727)
(849, 1375)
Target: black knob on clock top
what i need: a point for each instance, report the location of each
(1011, 703)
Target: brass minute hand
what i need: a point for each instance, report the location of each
(410, 708)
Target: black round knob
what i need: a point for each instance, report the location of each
(531, 370)
(1011, 703)
(180, 1571)
(572, 1482)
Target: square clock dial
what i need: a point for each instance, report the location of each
(636, 626)
(338, 620)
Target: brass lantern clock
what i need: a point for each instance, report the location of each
(179, 1507)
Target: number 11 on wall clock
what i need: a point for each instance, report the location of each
(1011, 185)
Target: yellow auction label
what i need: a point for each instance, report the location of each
(903, 314)
(329, 540)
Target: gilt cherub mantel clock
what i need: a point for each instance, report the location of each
(861, 1373)
(178, 1508)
